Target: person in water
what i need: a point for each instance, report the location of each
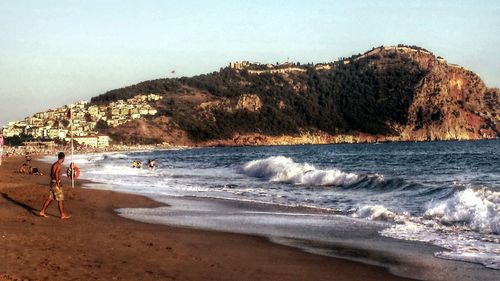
(55, 191)
(137, 164)
(152, 164)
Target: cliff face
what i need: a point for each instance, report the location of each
(386, 94)
(449, 103)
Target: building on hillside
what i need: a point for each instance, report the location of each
(81, 104)
(36, 131)
(95, 141)
(103, 141)
(239, 64)
(50, 114)
(42, 144)
(124, 111)
(14, 129)
(93, 110)
(144, 109)
(277, 70)
(34, 121)
(323, 67)
(89, 141)
(79, 115)
(57, 133)
(41, 115)
(153, 97)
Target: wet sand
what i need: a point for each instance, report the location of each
(97, 244)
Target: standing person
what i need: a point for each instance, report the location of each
(152, 164)
(55, 192)
(1, 148)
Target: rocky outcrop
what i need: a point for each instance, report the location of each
(450, 103)
(251, 103)
(246, 102)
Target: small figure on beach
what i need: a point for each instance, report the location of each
(24, 169)
(55, 191)
(36, 172)
(152, 164)
(137, 164)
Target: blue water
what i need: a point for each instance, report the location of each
(444, 193)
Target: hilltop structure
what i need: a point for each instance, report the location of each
(287, 67)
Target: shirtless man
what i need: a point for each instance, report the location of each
(55, 192)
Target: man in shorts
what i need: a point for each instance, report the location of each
(55, 192)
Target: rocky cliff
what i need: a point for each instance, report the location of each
(396, 93)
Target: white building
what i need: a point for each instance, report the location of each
(96, 141)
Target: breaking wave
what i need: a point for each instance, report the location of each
(284, 169)
(478, 210)
(466, 224)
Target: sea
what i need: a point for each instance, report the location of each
(380, 200)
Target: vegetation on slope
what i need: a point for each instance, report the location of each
(370, 93)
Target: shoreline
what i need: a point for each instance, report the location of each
(98, 244)
(339, 236)
(469, 268)
(144, 190)
(19, 151)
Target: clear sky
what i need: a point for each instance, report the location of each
(57, 52)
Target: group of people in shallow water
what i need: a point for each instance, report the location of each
(138, 164)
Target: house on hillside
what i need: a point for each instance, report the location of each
(94, 141)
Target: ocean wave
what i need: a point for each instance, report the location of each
(85, 158)
(119, 170)
(116, 156)
(478, 210)
(466, 224)
(284, 169)
(471, 209)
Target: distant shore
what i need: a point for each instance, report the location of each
(22, 150)
(96, 244)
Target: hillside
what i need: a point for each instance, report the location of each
(386, 94)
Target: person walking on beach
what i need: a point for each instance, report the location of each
(55, 192)
(1, 148)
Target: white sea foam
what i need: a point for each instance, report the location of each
(466, 225)
(476, 209)
(116, 155)
(284, 169)
(376, 212)
(85, 158)
(110, 169)
(460, 244)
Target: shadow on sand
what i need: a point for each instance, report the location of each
(30, 209)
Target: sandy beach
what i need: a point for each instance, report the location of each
(96, 244)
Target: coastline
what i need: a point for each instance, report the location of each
(280, 141)
(314, 231)
(98, 244)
